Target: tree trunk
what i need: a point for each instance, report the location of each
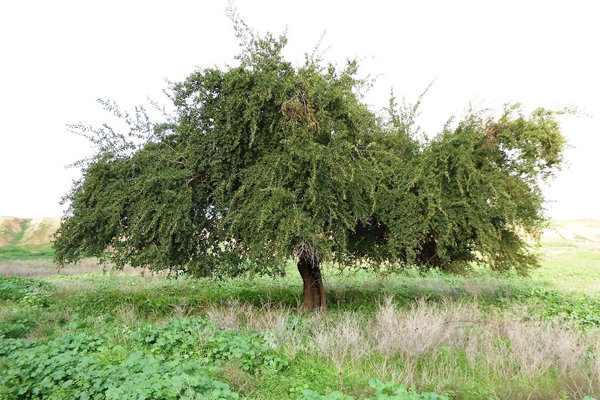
(314, 293)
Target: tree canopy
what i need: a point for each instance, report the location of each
(265, 161)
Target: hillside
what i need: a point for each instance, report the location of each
(10, 227)
(579, 230)
(27, 233)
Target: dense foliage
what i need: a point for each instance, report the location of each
(171, 362)
(265, 161)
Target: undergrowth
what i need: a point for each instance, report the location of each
(148, 362)
(421, 337)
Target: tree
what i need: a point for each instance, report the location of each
(264, 162)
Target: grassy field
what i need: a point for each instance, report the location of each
(128, 335)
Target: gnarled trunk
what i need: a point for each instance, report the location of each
(314, 293)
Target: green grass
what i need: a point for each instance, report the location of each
(122, 334)
(570, 267)
(18, 253)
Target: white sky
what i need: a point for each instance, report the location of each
(57, 57)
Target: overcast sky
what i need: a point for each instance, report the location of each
(58, 57)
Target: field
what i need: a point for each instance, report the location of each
(132, 335)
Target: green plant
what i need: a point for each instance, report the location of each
(24, 291)
(190, 338)
(25, 301)
(169, 362)
(266, 162)
(17, 326)
(67, 365)
(580, 310)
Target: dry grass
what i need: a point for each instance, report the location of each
(239, 380)
(43, 267)
(506, 346)
(66, 287)
(127, 314)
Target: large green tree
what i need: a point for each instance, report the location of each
(264, 162)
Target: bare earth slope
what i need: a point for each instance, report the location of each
(27, 233)
(579, 230)
(10, 227)
(39, 232)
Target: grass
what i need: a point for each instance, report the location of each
(481, 336)
(8, 254)
(570, 266)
